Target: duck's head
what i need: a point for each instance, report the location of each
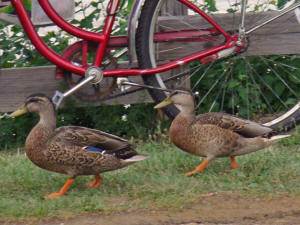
(38, 103)
(182, 99)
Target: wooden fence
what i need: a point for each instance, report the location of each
(18, 83)
(280, 37)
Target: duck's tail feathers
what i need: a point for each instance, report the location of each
(275, 139)
(134, 159)
(255, 144)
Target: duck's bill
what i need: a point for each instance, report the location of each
(19, 112)
(164, 103)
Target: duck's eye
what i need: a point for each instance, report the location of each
(32, 100)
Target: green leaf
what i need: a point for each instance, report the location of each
(232, 84)
(211, 5)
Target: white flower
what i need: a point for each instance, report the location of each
(124, 117)
(52, 39)
(126, 106)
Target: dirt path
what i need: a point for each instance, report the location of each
(209, 210)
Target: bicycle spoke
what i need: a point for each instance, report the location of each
(223, 95)
(285, 65)
(216, 98)
(203, 74)
(211, 88)
(170, 49)
(280, 78)
(282, 66)
(258, 88)
(180, 22)
(194, 70)
(268, 86)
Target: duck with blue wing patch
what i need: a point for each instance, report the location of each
(72, 150)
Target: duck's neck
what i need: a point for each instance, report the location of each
(47, 120)
(187, 110)
(38, 136)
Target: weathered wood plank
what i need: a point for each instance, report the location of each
(281, 36)
(173, 8)
(18, 83)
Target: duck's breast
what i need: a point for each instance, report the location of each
(180, 134)
(35, 147)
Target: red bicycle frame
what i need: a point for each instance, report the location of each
(105, 40)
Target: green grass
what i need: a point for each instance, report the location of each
(155, 182)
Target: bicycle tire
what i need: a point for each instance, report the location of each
(146, 59)
(287, 121)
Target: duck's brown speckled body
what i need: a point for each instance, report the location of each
(213, 135)
(73, 150)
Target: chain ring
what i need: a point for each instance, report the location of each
(91, 92)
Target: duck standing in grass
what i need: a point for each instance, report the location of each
(72, 150)
(213, 135)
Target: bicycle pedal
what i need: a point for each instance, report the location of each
(57, 98)
(121, 86)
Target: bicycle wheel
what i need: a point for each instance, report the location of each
(254, 85)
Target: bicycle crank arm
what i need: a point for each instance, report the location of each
(59, 96)
(93, 74)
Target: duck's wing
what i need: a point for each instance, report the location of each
(86, 136)
(244, 127)
(93, 140)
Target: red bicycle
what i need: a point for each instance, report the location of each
(171, 49)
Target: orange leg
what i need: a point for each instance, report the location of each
(96, 182)
(199, 168)
(234, 165)
(62, 191)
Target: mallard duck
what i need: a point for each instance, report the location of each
(72, 150)
(213, 135)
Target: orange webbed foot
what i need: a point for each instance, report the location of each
(199, 168)
(62, 191)
(53, 195)
(191, 173)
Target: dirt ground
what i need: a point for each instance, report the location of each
(209, 210)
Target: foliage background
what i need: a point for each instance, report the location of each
(17, 51)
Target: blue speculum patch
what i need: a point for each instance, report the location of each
(94, 149)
